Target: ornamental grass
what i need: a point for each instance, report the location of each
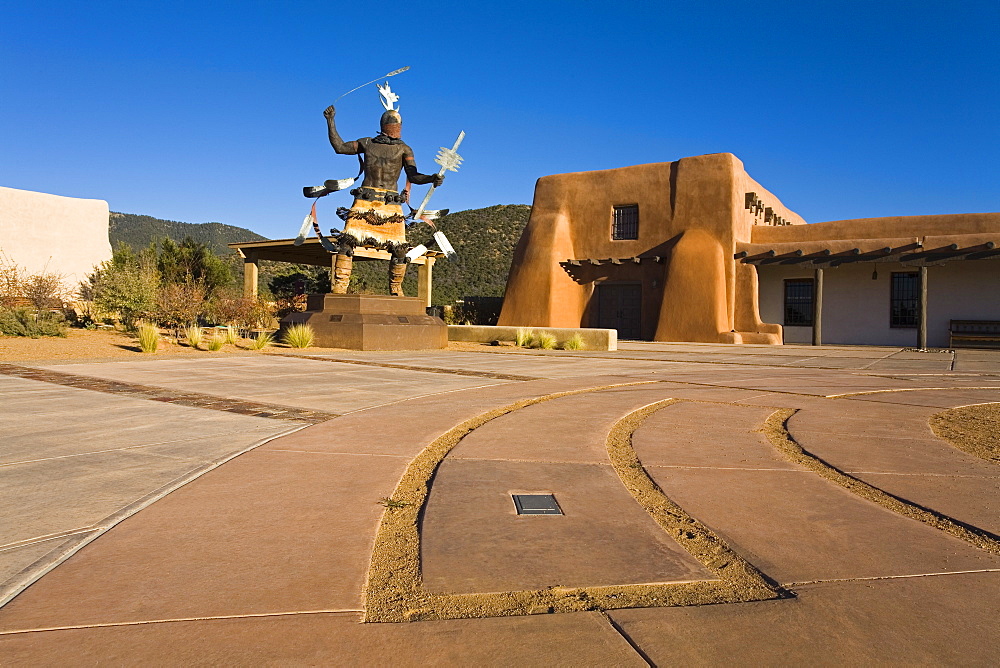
(544, 340)
(149, 338)
(523, 337)
(299, 336)
(574, 342)
(194, 335)
(263, 340)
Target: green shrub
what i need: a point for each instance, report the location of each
(149, 337)
(523, 337)
(263, 340)
(574, 342)
(544, 340)
(127, 284)
(299, 336)
(194, 336)
(216, 342)
(25, 322)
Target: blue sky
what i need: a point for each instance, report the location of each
(202, 111)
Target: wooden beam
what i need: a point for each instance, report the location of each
(425, 279)
(818, 308)
(251, 273)
(922, 316)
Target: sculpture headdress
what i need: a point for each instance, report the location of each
(391, 123)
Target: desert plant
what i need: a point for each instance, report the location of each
(191, 261)
(263, 340)
(149, 337)
(523, 337)
(45, 290)
(25, 322)
(180, 304)
(261, 314)
(299, 336)
(194, 335)
(11, 280)
(543, 340)
(127, 284)
(215, 343)
(230, 335)
(574, 342)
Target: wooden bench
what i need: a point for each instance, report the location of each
(974, 334)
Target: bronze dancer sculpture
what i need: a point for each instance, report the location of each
(376, 217)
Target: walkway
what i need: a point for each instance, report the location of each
(228, 510)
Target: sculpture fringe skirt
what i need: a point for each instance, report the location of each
(369, 221)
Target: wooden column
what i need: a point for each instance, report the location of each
(251, 271)
(922, 315)
(425, 273)
(818, 308)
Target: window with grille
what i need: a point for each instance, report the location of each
(904, 300)
(799, 302)
(625, 222)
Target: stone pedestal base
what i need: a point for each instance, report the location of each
(371, 322)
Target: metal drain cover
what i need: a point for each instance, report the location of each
(536, 504)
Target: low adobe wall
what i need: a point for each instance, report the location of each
(55, 234)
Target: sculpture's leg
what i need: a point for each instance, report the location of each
(397, 270)
(342, 273)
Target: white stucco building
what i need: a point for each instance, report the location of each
(51, 233)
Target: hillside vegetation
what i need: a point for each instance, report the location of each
(138, 232)
(483, 238)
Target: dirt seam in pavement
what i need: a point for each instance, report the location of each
(776, 430)
(179, 397)
(210, 618)
(783, 365)
(892, 577)
(908, 389)
(34, 571)
(627, 638)
(394, 589)
(410, 367)
(739, 580)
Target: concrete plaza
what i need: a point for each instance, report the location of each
(223, 510)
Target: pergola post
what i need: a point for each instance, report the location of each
(818, 308)
(425, 273)
(922, 315)
(251, 271)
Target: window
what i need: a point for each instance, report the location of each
(904, 300)
(625, 222)
(799, 302)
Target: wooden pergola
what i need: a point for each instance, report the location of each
(312, 253)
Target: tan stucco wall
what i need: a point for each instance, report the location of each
(50, 233)
(691, 214)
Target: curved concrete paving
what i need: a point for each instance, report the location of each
(263, 560)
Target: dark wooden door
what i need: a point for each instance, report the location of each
(620, 307)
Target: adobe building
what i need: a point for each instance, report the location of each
(696, 250)
(45, 233)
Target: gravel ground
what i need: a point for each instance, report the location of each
(91, 344)
(974, 429)
(107, 344)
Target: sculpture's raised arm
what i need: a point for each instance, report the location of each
(338, 144)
